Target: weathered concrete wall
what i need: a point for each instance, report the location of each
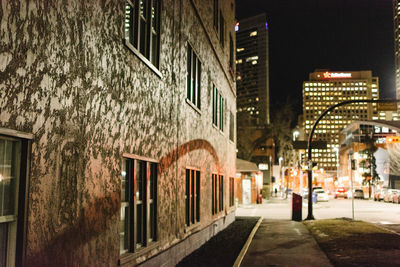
(66, 77)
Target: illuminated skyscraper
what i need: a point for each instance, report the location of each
(252, 69)
(325, 89)
(252, 87)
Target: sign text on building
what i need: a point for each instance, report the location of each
(329, 75)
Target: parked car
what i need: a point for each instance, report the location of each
(376, 195)
(359, 193)
(388, 196)
(321, 195)
(396, 198)
(379, 195)
(341, 192)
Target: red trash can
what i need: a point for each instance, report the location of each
(297, 202)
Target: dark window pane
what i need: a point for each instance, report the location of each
(198, 84)
(126, 223)
(231, 127)
(198, 195)
(139, 226)
(215, 105)
(220, 109)
(124, 229)
(155, 20)
(152, 221)
(222, 29)
(230, 52)
(215, 193)
(221, 193)
(193, 77)
(141, 203)
(153, 201)
(187, 198)
(143, 27)
(10, 153)
(154, 180)
(212, 194)
(154, 50)
(189, 73)
(3, 243)
(192, 180)
(216, 14)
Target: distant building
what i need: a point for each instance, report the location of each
(248, 182)
(252, 66)
(326, 88)
(252, 77)
(117, 130)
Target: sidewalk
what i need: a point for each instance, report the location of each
(283, 243)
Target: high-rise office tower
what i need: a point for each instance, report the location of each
(252, 70)
(325, 89)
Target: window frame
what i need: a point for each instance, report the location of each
(231, 191)
(221, 29)
(231, 127)
(149, 224)
(217, 193)
(18, 233)
(192, 196)
(193, 77)
(218, 104)
(134, 35)
(215, 15)
(231, 55)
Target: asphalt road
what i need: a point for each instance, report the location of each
(365, 210)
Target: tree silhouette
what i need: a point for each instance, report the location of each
(251, 137)
(370, 177)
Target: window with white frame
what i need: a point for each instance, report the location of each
(142, 28)
(138, 223)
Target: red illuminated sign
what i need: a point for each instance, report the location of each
(329, 75)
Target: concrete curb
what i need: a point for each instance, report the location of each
(242, 253)
(386, 229)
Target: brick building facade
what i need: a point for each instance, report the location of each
(117, 130)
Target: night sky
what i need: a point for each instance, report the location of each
(331, 34)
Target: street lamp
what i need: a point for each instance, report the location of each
(295, 135)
